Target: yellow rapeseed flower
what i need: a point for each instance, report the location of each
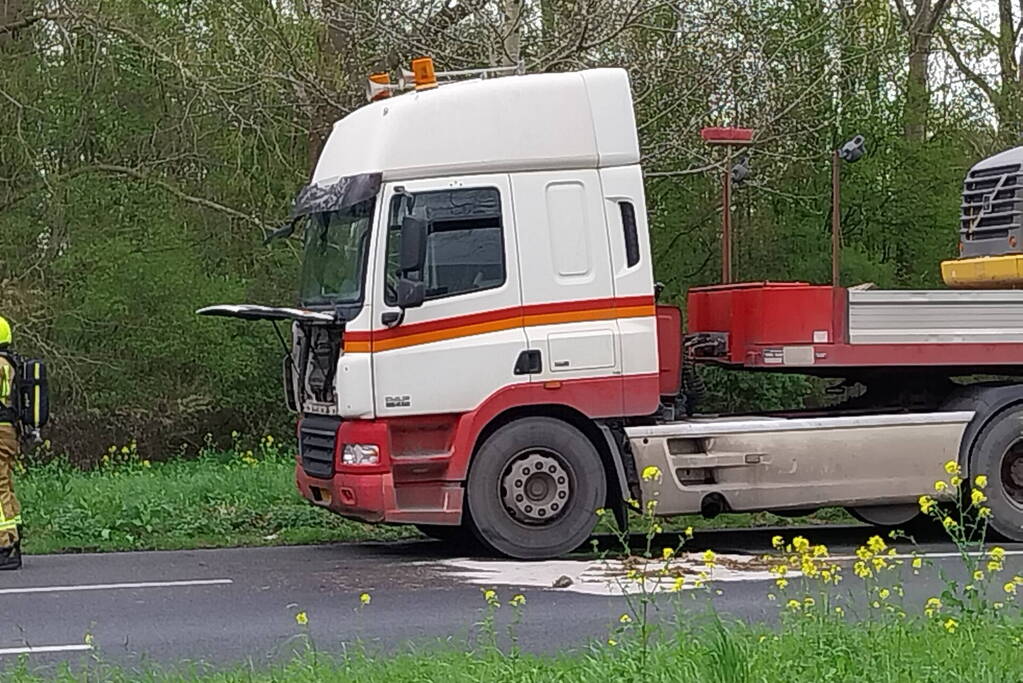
(777, 542)
(800, 544)
(677, 586)
(980, 480)
(952, 467)
(977, 497)
(794, 604)
(984, 512)
(689, 532)
(839, 611)
(956, 480)
(808, 601)
(940, 485)
(600, 512)
(667, 553)
(708, 557)
(651, 472)
(876, 544)
(978, 575)
(782, 583)
(932, 607)
(917, 562)
(950, 625)
(490, 595)
(949, 523)
(625, 619)
(926, 504)
(861, 570)
(518, 600)
(1010, 587)
(994, 566)
(302, 618)
(365, 598)
(997, 553)
(884, 593)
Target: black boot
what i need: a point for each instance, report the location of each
(10, 557)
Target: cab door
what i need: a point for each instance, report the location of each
(462, 344)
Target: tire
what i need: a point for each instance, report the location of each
(998, 454)
(523, 515)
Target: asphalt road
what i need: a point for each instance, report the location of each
(224, 607)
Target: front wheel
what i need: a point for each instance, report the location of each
(534, 487)
(998, 455)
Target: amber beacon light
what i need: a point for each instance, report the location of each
(423, 73)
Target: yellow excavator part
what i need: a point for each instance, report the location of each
(984, 272)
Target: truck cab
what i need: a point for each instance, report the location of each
(512, 210)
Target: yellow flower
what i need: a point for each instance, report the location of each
(997, 553)
(625, 619)
(994, 566)
(926, 504)
(269, 440)
(977, 497)
(940, 485)
(778, 542)
(978, 575)
(689, 532)
(782, 583)
(800, 544)
(839, 611)
(677, 586)
(365, 598)
(861, 570)
(952, 467)
(667, 553)
(708, 557)
(980, 480)
(984, 512)
(863, 553)
(302, 618)
(88, 639)
(950, 625)
(490, 596)
(518, 600)
(651, 472)
(808, 601)
(1010, 588)
(917, 562)
(884, 593)
(949, 523)
(612, 642)
(145, 463)
(876, 544)
(955, 480)
(794, 604)
(600, 512)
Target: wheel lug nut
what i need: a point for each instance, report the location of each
(561, 495)
(518, 483)
(561, 480)
(519, 498)
(542, 512)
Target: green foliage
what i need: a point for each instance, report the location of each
(238, 496)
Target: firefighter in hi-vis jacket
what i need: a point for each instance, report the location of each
(10, 510)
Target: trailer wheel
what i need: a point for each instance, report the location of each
(998, 454)
(533, 489)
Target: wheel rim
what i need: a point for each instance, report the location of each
(1012, 472)
(536, 487)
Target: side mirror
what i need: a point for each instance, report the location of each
(853, 150)
(411, 293)
(284, 230)
(413, 246)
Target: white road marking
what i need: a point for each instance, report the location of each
(113, 586)
(42, 649)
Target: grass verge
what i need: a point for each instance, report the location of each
(242, 496)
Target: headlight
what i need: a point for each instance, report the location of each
(360, 454)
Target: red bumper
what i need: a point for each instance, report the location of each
(375, 498)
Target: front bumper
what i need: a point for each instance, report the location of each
(395, 490)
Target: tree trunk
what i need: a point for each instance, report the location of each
(918, 93)
(512, 31)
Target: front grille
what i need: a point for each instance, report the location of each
(317, 437)
(992, 211)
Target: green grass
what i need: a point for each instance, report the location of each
(239, 497)
(223, 498)
(814, 650)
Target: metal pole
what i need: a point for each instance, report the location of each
(836, 226)
(726, 223)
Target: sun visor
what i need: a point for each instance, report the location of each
(343, 193)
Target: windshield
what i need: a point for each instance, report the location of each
(335, 254)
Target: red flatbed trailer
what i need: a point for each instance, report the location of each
(829, 331)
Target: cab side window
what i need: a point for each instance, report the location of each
(464, 244)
